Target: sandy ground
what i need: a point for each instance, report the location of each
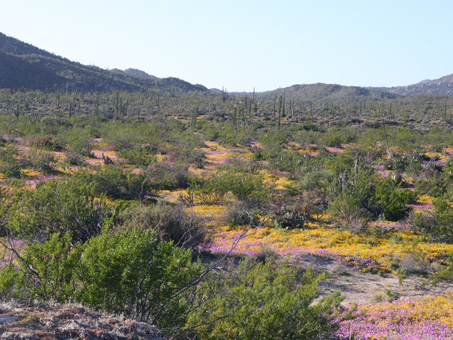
(364, 288)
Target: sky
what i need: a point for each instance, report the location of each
(242, 45)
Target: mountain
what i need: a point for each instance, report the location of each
(326, 93)
(137, 72)
(441, 86)
(25, 66)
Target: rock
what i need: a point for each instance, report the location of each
(58, 322)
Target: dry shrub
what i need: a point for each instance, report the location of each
(290, 215)
(42, 142)
(314, 203)
(267, 255)
(414, 263)
(241, 213)
(171, 222)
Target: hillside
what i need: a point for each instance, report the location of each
(326, 93)
(25, 66)
(441, 86)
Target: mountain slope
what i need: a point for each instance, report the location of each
(441, 86)
(25, 66)
(326, 93)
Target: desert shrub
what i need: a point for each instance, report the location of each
(393, 200)
(184, 141)
(334, 138)
(210, 190)
(281, 159)
(274, 138)
(58, 206)
(448, 172)
(14, 171)
(413, 263)
(311, 192)
(398, 162)
(168, 175)
(9, 163)
(290, 216)
(50, 122)
(190, 156)
(210, 130)
(40, 160)
(314, 203)
(241, 164)
(52, 126)
(44, 271)
(241, 214)
(353, 200)
(79, 142)
(438, 225)
(445, 273)
(127, 272)
(250, 189)
(135, 274)
(313, 179)
(137, 155)
(336, 163)
(39, 142)
(267, 255)
(122, 144)
(435, 184)
(171, 222)
(115, 182)
(74, 158)
(258, 301)
(229, 136)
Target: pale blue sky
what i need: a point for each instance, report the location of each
(245, 44)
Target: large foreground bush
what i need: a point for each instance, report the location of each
(130, 273)
(258, 301)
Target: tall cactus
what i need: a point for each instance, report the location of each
(280, 106)
(193, 119)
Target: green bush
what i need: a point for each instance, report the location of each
(353, 200)
(247, 188)
(392, 200)
(10, 164)
(58, 206)
(258, 301)
(138, 156)
(41, 160)
(79, 141)
(135, 274)
(439, 224)
(44, 271)
(116, 182)
(128, 272)
(168, 175)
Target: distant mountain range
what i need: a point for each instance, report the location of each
(441, 86)
(25, 66)
(327, 93)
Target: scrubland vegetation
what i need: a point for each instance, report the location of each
(191, 211)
